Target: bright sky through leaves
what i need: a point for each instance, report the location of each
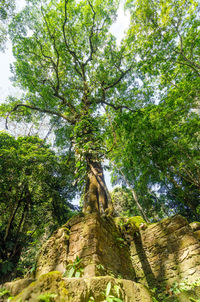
(6, 58)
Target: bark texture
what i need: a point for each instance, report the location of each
(97, 197)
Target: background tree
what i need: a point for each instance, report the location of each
(6, 11)
(36, 187)
(165, 34)
(158, 155)
(123, 202)
(158, 146)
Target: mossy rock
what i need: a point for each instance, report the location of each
(197, 234)
(50, 284)
(15, 287)
(190, 295)
(136, 221)
(130, 225)
(54, 287)
(53, 254)
(195, 226)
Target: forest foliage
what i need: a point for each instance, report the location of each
(36, 190)
(132, 108)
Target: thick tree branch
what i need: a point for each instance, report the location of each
(64, 102)
(51, 112)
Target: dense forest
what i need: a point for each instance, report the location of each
(131, 108)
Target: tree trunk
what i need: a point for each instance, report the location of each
(97, 197)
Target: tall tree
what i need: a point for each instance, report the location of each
(74, 72)
(72, 68)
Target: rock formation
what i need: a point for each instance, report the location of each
(95, 258)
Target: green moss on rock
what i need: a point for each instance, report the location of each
(130, 225)
(60, 289)
(50, 283)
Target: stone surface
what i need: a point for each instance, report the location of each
(126, 252)
(157, 255)
(197, 234)
(15, 287)
(95, 240)
(81, 289)
(195, 226)
(53, 255)
(166, 252)
(189, 295)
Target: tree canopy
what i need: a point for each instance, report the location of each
(72, 68)
(157, 152)
(136, 104)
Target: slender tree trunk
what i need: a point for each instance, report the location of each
(11, 219)
(134, 196)
(12, 216)
(138, 204)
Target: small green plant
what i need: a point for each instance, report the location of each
(184, 286)
(47, 297)
(4, 292)
(161, 296)
(109, 297)
(101, 269)
(174, 290)
(74, 269)
(121, 242)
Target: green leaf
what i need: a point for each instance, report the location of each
(108, 288)
(77, 274)
(70, 273)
